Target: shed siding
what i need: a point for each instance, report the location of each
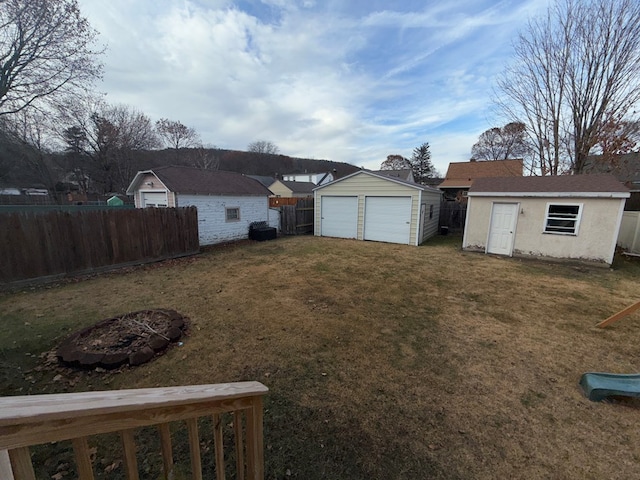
(280, 190)
(595, 240)
(430, 226)
(157, 186)
(364, 185)
(212, 225)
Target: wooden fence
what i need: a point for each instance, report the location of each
(54, 244)
(297, 219)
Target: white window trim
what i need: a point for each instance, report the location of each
(578, 219)
(226, 214)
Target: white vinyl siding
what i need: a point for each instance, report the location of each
(363, 185)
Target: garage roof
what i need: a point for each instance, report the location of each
(383, 177)
(195, 181)
(550, 186)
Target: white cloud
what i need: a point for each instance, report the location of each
(321, 80)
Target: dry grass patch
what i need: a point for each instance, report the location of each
(383, 361)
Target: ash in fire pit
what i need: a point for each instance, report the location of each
(133, 338)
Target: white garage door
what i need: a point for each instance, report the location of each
(339, 217)
(154, 199)
(387, 219)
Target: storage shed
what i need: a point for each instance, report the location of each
(227, 202)
(569, 216)
(369, 206)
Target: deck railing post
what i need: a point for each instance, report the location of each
(255, 447)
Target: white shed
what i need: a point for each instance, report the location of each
(227, 202)
(371, 206)
(570, 216)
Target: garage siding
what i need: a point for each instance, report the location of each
(213, 226)
(364, 185)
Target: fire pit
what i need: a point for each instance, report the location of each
(133, 338)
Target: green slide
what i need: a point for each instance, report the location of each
(598, 386)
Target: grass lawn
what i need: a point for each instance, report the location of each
(383, 361)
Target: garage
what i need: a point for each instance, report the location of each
(387, 219)
(154, 199)
(339, 216)
(373, 206)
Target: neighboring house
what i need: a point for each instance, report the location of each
(315, 178)
(227, 202)
(460, 175)
(569, 216)
(263, 179)
(286, 189)
(626, 168)
(404, 174)
(370, 206)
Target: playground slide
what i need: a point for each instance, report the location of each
(598, 386)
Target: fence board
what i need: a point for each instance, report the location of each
(297, 219)
(58, 243)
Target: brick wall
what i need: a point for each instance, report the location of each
(212, 224)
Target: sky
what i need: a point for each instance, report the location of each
(344, 80)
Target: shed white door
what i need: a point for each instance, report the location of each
(502, 228)
(154, 199)
(387, 219)
(339, 217)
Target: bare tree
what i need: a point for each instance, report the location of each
(395, 162)
(45, 52)
(29, 129)
(573, 66)
(176, 135)
(106, 136)
(263, 146)
(502, 143)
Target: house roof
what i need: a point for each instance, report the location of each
(263, 179)
(383, 177)
(404, 174)
(195, 181)
(626, 167)
(551, 186)
(462, 174)
(299, 187)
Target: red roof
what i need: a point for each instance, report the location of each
(462, 174)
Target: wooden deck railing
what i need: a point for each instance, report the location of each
(37, 419)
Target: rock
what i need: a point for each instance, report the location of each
(141, 356)
(174, 333)
(177, 322)
(89, 359)
(157, 342)
(114, 360)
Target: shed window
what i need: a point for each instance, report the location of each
(232, 214)
(563, 218)
(430, 212)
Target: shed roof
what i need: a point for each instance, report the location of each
(383, 177)
(462, 174)
(195, 181)
(550, 186)
(299, 187)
